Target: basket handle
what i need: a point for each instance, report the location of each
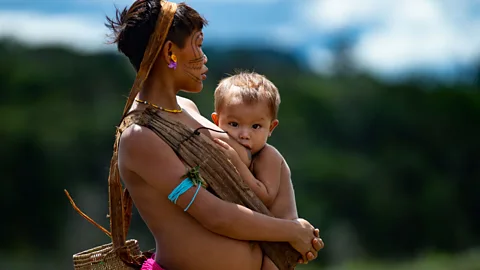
(85, 215)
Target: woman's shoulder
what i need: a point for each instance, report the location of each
(187, 104)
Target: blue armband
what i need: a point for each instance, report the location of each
(182, 188)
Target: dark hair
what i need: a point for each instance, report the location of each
(132, 28)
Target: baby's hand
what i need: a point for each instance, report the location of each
(227, 149)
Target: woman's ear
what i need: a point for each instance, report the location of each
(167, 51)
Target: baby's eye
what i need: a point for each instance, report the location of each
(233, 124)
(256, 126)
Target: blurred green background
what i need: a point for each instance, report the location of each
(388, 171)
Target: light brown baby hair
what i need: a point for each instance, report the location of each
(250, 87)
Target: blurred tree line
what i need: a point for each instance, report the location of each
(385, 170)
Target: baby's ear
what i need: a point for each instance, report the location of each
(215, 118)
(273, 125)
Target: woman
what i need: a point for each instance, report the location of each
(163, 41)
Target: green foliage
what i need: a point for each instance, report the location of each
(385, 171)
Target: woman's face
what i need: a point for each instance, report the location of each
(191, 64)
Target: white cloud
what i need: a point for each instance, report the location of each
(397, 36)
(33, 28)
(334, 15)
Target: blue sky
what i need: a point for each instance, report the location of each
(390, 38)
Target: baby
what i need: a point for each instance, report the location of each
(246, 107)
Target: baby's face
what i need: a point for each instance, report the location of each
(249, 124)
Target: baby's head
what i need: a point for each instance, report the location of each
(246, 106)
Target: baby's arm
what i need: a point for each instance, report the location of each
(267, 169)
(284, 205)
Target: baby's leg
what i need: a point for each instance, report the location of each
(268, 264)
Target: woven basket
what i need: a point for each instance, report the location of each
(104, 258)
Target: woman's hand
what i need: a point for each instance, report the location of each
(304, 240)
(317, 244)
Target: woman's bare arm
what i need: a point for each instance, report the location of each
(145, 154)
